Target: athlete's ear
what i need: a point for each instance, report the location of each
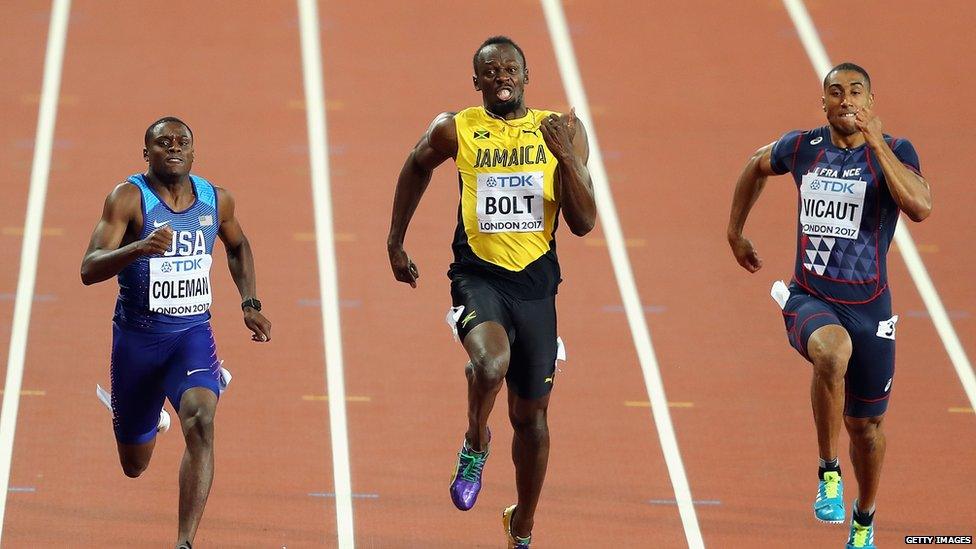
(525, 75)
(145, 154)
(823, 103)
(474, 80)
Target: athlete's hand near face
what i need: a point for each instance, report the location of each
(404, 270)
(870, 125)
(158, 241)
(558, 132)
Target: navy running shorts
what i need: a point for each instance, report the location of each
(871, 327)
(149, 367)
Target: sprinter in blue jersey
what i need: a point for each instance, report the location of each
(853, 180)
(157, 233)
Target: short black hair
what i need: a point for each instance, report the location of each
(164, 120)
(848, 66)
(495, 40)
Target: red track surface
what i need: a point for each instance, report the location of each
(681, 95)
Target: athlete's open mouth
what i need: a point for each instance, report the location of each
(504, 94)
(174, 160)
(848, 115)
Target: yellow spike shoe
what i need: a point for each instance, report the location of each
(514, 542)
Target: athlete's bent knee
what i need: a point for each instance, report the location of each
(531, 424)
(489, 369)
(198, 426)
(829, 349)
(133, 468)
(864, 431)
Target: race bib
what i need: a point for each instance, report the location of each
(510, 202)
(180, 286)
(830, 206)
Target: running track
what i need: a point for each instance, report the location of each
(680, 95)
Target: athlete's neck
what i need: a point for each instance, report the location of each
(503, 112)
(842, 141)
(175, 188)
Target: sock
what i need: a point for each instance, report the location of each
(828, 465)
(864, 519)
(467, 446)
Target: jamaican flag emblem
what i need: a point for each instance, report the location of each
(481, 134)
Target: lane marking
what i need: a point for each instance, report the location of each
(903, 238)
(19, 231)
(39, 298)
(961, 410)
(22, 489)
(325, 251)
(40, 170)
(573, 82)
(653, 309)
(600, 242)
(310, 237)
(28, 392)
(326, 397)
(344, 303)
(647, 404)
(330, 105)
(696, 502)
(331, 495)
(952, 314)
(35, 99)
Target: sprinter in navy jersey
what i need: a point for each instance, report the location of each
(157, 233)
(853, 180)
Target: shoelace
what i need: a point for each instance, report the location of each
(473, 464)
(861, 535)
(825, 489)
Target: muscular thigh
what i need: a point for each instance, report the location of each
(531, 370)
(804, 314)
(137, 384)
(191, 361)
(872, 366)
(476, 301)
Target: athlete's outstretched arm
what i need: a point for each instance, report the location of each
(104, 258)
(747, 190)
(240, 261)
(438, 144)
(909, 190)
(566, 138)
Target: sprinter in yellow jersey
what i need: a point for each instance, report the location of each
(518, 168)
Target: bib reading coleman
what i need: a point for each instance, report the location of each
(179, 282)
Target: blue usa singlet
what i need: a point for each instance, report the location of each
(171, 292)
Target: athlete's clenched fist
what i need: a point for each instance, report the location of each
(158, 241)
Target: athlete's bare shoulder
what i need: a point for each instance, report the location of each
(442, 134)
(438, 143)
(125, 199)
(222, 193)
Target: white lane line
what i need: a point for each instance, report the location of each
(40, 169)
(903, 237)
(573, 83)
(328, 280)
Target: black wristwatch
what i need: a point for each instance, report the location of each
(252, 303)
